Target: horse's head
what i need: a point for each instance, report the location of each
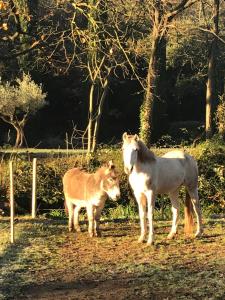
(110, 182)
(130, 151)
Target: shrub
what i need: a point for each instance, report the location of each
(220, 117)
(212, 178)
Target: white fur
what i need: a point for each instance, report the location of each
(151, 175)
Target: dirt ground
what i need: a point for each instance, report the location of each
(50, 263)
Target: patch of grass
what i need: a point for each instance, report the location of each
(46, 254)
(121, 212)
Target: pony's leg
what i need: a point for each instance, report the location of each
(98, 211)
(76, 218)
(141, 200)
(175, 210)
(151, 204)
(70, 211)
(196, 206)
(90, 213)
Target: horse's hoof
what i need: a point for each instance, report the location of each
(198, 234)
(70, 229)
(141, 240)
(91, 234)
(78, 229)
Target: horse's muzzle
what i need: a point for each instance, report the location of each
(127, 170)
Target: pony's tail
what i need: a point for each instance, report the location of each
(188, 215)
(66, 207)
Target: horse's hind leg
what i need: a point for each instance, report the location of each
(76, 218)
(175, 210)
(196, 206)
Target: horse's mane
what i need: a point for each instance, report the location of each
(144, 154)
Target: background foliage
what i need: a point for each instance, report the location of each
(210, 157)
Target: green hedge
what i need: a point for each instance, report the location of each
(210, 157)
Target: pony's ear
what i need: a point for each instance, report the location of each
(136, 137)
(124, 136)
(111, 165)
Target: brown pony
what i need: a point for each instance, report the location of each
(89, 190)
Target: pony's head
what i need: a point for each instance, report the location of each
(110, 181)
(130, 151)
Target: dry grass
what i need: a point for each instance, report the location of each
(47, 262)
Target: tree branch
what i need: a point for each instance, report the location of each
(179, 8)
(14, 55)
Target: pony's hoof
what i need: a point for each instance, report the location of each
(150, 243)
(70, 229)
(78, 229)
(91, 234)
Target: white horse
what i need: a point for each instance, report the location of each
(89, 190)
(150, 175)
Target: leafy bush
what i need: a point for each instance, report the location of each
(212, 178)
(220, 117)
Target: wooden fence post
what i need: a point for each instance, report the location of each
(34, 184)
(12, 212)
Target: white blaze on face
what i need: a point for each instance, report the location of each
(129, 156)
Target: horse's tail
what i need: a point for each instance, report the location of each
(188, 215)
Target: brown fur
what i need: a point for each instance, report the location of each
(81, 185)
(89, 190)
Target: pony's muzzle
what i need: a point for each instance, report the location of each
(116, 197)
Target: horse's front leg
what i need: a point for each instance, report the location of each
(90, 213)
(151, 204)
(141, 200)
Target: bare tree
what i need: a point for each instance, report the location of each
(212, 82)
(162, 14)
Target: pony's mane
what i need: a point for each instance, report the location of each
(144, 154)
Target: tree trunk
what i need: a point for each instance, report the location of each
(90, 121)
(99, 115)
(19, 135)
(150, 110)
(212, 84)
(19, 128)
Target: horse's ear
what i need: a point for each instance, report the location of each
(124, 136)
(136, 137)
